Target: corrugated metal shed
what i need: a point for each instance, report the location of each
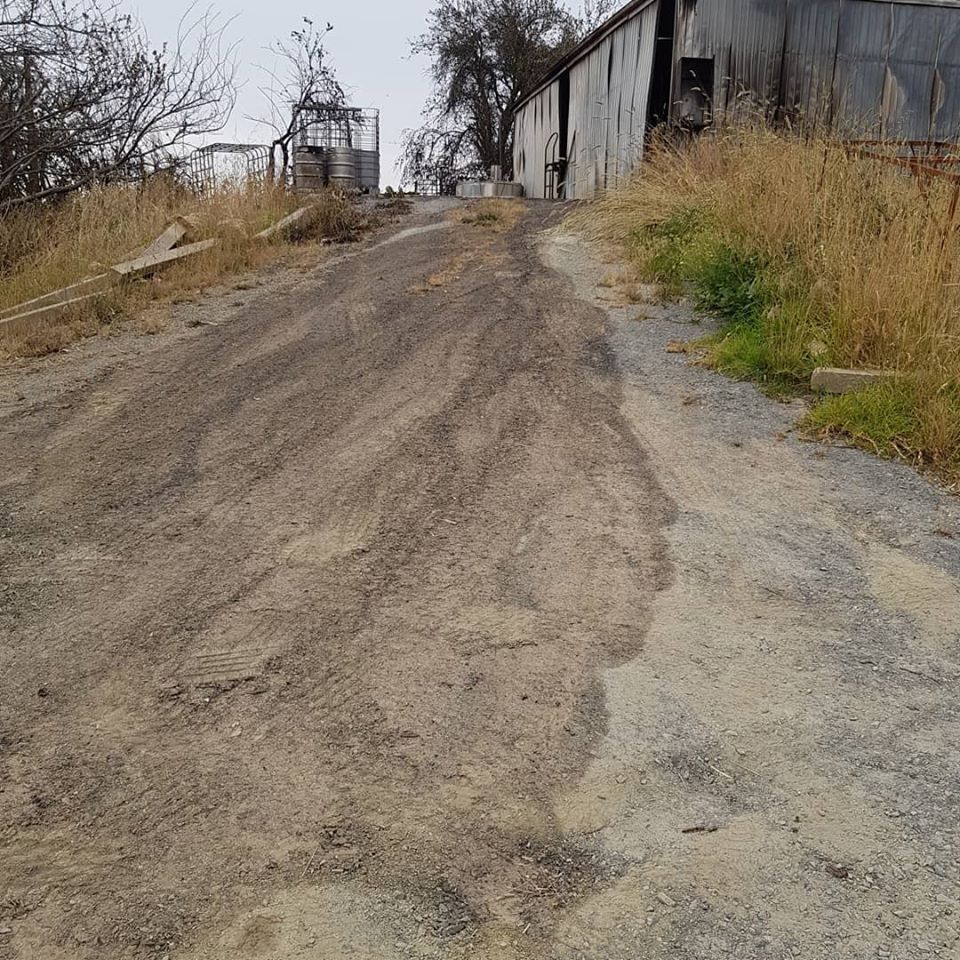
(866, 67)
(608, 106)
(872, 68)
(533, 127)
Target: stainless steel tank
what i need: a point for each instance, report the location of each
(342, 167)
(309, 169)
(368, 173)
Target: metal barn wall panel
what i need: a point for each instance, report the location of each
(536, 121)
(945, 85)
(923, 50)
(863, 46)
(864, 68)
(609, 89)
(912, 53)
(745, 41)
(806, 92)
(878, 68)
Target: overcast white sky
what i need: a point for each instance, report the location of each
(369, 48)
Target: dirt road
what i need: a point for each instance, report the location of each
(421, 605)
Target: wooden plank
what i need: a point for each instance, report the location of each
(43, 309)
(33, 319)
(167, 240)
(97, 284)
(283, 224)
(146, 265)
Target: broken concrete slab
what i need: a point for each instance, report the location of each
(32, 320)
(167, 240)
(29, 316)
(193, 224)
(840, 380)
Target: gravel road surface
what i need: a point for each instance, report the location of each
(418, 603)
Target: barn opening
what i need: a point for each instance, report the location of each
(661, 83)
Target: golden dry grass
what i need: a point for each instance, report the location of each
(830, 259)
(45, 249)
(494, 214)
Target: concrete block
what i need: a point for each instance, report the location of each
(839, 380)
(498, 189)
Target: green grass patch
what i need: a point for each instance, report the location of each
(771, 330)
(668, 253)
(882, 418)
(774, 333)
(900, 418)
(730, 285)
(807, 258)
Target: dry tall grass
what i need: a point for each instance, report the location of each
(495, 214)
(44, 249)
(841, 261)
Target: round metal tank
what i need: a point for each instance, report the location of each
(309, 169)
(368, 172)
(342, 167)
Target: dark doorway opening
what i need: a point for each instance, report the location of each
(661, 83)
(695, 107)
(555, 154)
(564, 133)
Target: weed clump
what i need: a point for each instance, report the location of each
(808, 257)
(494, 214)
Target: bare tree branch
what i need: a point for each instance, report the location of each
(85, 98)
(306, 80)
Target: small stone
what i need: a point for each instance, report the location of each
(838, 380)
(666, 901)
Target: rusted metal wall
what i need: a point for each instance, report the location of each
(608, 106)
(881, 68)
(533, 126)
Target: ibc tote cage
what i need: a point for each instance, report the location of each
(324, 125)
(329, 131)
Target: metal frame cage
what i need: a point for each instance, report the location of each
(218, 164)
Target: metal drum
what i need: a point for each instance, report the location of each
(309, 170)
(368, 162)
(342, 167)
